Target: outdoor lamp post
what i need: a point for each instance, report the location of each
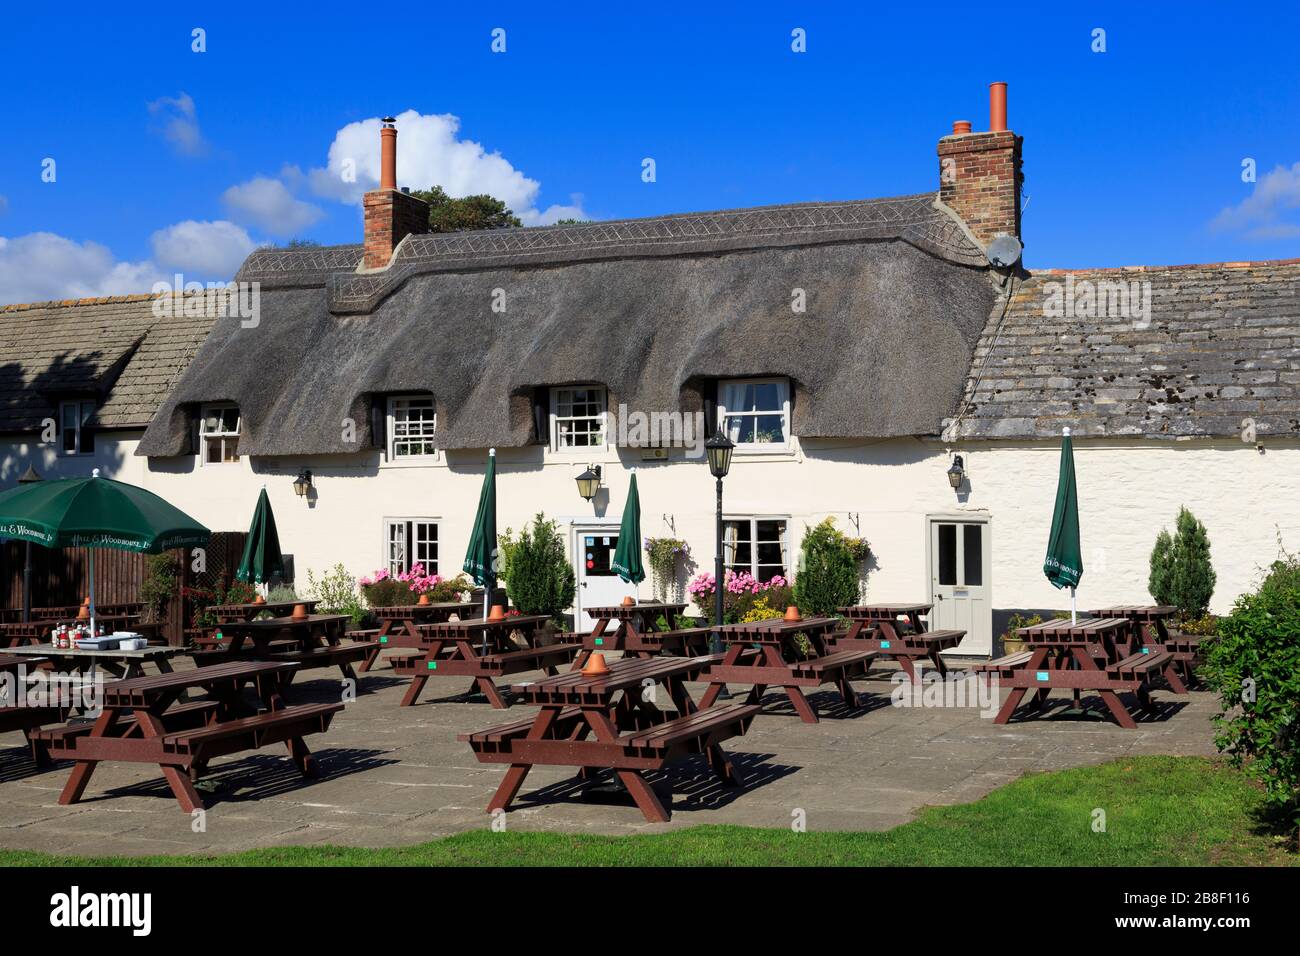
(30, 476)
(957, 473)
(589, 482)
(719, 448)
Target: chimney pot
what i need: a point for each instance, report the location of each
(388, 157)
(391, 214)
(960, 127)
(997, 107)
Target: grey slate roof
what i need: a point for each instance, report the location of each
(897, 295)
(1222, 346)
(112, 348)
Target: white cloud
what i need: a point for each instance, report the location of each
(179, 121)
(41, 266)
(268, 204)
(429, 153)
(202, 250)
(1258, 216)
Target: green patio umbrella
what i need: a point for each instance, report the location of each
(262, 558)
(480, 559)
(94, 513)
(627, 562)
(1064, 562)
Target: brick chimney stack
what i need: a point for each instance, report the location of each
(979, 173)
(391, 215)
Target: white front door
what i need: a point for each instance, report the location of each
(960, 589)
(598, 586)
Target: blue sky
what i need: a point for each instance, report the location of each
(1131, 155)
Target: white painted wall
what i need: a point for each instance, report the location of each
(1128, 491)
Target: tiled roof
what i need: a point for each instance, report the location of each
(113, 348)
(1219, 351)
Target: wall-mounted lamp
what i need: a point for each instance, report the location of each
(957, 473)
(302, 484)
(589, 482)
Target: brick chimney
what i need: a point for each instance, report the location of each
(979, 173)
(391, 215)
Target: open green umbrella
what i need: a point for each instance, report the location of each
(1064, 562)
(480, 559)
(94, 513)
(627, 562)
(262, 558)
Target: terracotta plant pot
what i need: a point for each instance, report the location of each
(629, 601)
(595, 665)
(792, 613)
(83, 613)
(497, 613)
(85, 602)
(424, 600)
(258, 599)
(299, 612)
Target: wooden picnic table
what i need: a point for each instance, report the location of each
(613, 721)
(399, 623)
(637, 633)
(237, 613)
(876, 627)
(1150, 629)
(765, 654)
(18, 633)
(18, 715)
(1088, 655)
(142, 722)
(311, 642)
(117, 663)
(480, 649)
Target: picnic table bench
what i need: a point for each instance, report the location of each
(18, 715)
(142, 722)
(765, 654)
(1150, 630)
(249, 610)
(612, 721)
(636, 632)
(1088, 655)
(311, 642)
(898, 631)
(482, 650)
(117, 662)
(18, 633)
(398, 624)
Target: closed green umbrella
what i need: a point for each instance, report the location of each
(627, 562)
(1064, 562)
(262, 558)
(94, 513)
(480, 559)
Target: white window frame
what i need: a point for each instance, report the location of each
(783, 390)
(391, 454)
(409, 526)
(84, 408)
(557, 419)
(216, 408)
(753, 521)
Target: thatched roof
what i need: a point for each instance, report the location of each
(112, 349)
(1218, 351)
(897, 295)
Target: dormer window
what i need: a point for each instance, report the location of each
(412, 420)
(219, 434)
(755, 413)
(578, 418)
(74, 432)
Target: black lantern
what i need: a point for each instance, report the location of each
(302, 484)
(957, 473)
(719, 448)
(589, 482)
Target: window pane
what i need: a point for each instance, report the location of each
(947, 554)
(426, 545)
(231, 448)
(973, 554)
(598, 552)
(769, 428)
(740, 428)
(70, 427)
(764, 397)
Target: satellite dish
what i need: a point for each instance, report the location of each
(1004, 251)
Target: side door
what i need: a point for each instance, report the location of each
(598, 586)
(960, 586)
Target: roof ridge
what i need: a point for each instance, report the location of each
(1231, 264)
(73, 303)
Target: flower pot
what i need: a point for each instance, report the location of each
(629, 601)
(1011, 645)
(792, 613)
(497, 613)
(258, 599)
(423, 601)
(299, 612)
(595, 665)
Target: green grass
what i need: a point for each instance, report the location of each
(1175, 811)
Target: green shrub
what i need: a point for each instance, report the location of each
(1202, 626)
(161, 583)
(1017, 621)
(541, 578)
(1253, 664)
(828, 571)
(1181, 572)
(336, 593)
(282, 592)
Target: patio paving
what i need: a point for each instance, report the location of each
(396, 775)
